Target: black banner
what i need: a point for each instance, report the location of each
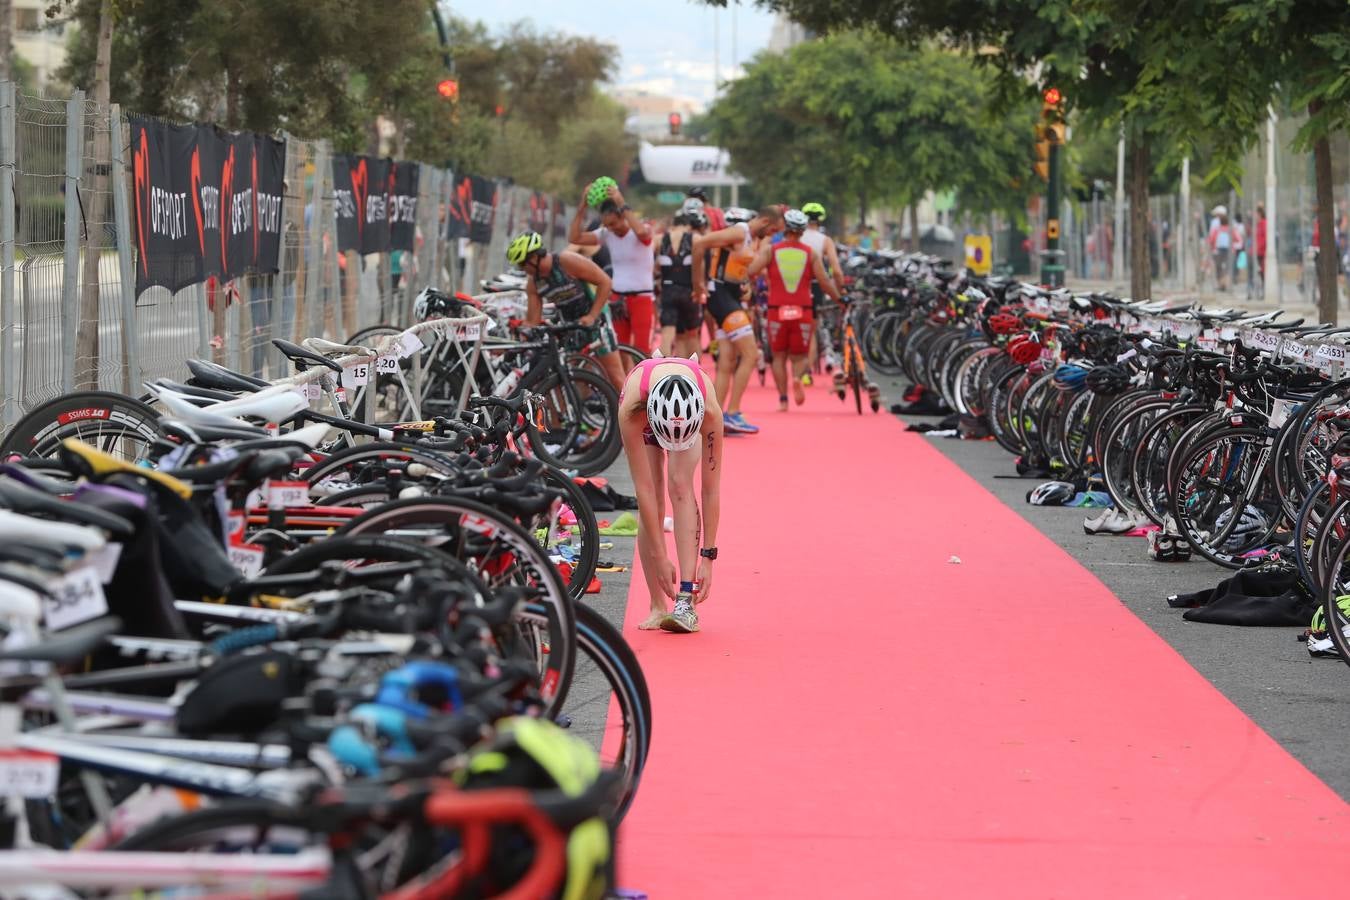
(206, 203)
(472, 206)
(168, 236)
(403, 181)
(361, 195)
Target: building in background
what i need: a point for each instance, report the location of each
(786, 34)
(38, 41)
(649, 113)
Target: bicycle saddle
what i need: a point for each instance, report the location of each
(329, 348)
(190, 390)
(20, 498)
(302, 357)
(212, 375)
(274, 404)
(69, 645)
(17, 528)
(82, 459)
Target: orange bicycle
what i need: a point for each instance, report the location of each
(852, 375)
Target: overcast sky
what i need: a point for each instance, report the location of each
(667, 46)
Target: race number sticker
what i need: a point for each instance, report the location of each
(355, 375)
(247, 558)
(28, 773)
(76, 597)
(408, 344)
(468, 332)
(386, 365)
(282, 494)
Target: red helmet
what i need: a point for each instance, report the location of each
(1005, 323)
(1024, 349)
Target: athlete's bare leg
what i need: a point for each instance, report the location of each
(745, 367)
(656, 457)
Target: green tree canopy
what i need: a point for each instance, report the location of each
(858, 116)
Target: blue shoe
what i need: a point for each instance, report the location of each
(732, 423)
(743, 426)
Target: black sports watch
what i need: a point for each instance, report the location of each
(708, 553)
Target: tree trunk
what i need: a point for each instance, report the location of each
(1328, 292)
(914, 228)
(6, 42)
(1141, 271)
(86, 332)
(862, 209)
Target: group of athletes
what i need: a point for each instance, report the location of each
(620, 280)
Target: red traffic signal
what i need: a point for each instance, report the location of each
(448, 88)
(1053, 96)
(675, 120)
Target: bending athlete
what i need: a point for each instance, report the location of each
(667, 410)
(730, 258)
(794, 269)
(567, 280)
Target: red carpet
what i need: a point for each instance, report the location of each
(861, 717)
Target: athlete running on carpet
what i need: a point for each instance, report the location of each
(668, 410)
(731, 254)
(567, 280)
(794, 268)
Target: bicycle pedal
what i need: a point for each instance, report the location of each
(562, 720)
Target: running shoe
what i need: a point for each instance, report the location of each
(806, 379)
(682, 619)
(736, 422)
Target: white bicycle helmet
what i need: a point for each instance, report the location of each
(795, 220)
(675, 412)
(735, 214)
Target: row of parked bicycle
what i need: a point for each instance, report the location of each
(1228, 431)
(319, 637)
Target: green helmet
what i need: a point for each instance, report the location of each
(814, 211)
(522, 245)
(598, 192)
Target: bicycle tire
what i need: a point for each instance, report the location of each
(603, 449)
(453, 519)
(114, 418)
(603, 645)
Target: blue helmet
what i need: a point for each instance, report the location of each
(1069, 377)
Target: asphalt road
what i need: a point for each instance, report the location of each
(1303, 703)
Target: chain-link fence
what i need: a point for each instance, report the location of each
(69, 319)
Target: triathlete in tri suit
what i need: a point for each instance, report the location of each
(816, 238)
(721, 280)
(681, 314)
(667, 409)
(794, 268)
(629, 242)
(578, 289)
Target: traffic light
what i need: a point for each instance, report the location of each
(675, 121)
(1050, 130)
(1043, 152)
(448, 88)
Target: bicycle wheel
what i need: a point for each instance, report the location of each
(609, 705)
(1223, 475)
(499, 552)
(367, 464)
(114, 423)
(584, 537)
(589, 411)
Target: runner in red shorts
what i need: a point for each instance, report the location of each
(792, 265)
